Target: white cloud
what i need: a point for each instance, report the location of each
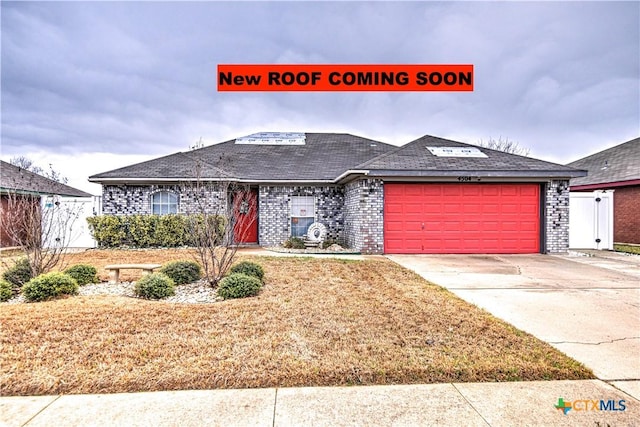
(139, 79)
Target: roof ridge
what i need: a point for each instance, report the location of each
(364, 165)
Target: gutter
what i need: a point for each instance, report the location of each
(125, 181)
(392, 174)
(350, 172)
(604, 185)
(479, 173)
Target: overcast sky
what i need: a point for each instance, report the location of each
(93, 86)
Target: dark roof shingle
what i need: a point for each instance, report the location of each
(619, 163)
(415, 159)
(323, 157)
(14, 178)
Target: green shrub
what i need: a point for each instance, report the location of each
(294, 243)
(172, 231)
(249, 268)
(19, 274)
(182, 272)
(155, 286)
(83, 273)
(239, 285)
(328, 243)
(49, 285)
(6, 290)
(149, 231)
(140, 230)
(108, 230)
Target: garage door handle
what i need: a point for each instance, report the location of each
(423, 225)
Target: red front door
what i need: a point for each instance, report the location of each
(245, 209)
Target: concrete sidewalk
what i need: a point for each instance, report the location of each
(462, 404)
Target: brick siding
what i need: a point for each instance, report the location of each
(353, 214)
(274, 207)
(364, 219)
(556, 220)
(626, 214)
(136, 199)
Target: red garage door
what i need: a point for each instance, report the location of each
(461, 218)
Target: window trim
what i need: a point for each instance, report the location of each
(292, 216)
(170, 194)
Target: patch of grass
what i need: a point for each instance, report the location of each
(316, 322)
(630, 249)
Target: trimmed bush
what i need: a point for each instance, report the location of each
(155, 286)
(83, 274)
(294, 243)
(182, 272)
(49, 285)
(150, 231)
(108, 230)
(6, 291)
(19, 274)
(249, 268)
(239, 285)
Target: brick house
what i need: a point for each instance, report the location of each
(618, 169)
(431, 195)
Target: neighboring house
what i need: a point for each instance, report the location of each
(20, 183)
(618, 169)
(431, 195)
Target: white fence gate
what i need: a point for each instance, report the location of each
(72, 233)
(591, 220)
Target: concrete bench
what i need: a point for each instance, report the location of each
(114, 270)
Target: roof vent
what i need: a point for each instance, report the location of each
(456, 152)
(273, 138)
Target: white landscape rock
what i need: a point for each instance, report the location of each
(199, 292)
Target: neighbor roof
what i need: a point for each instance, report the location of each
(323, 157)
(14, 178)
(414, 159)
(616, 164)
(327, 157)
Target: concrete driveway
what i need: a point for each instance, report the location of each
(586, 306)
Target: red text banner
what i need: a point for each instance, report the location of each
(345, 78)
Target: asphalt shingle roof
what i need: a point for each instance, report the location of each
(323, 158)
(326, 156)
(415, 159)
(14, 178)
(619, 163)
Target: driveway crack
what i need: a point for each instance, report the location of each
(595, 343)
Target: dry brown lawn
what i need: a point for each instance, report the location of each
(316, 322)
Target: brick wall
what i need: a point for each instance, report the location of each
(364, 207)
(353, 214)
(274, 207)
(136, 199)
(556, 221)
(626, 214)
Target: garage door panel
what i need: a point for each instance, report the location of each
(452, 208)
(451, 190)
(462, 218)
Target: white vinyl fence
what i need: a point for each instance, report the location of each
(65, 220)
(591, 220)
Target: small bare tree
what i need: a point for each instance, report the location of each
(225, 212)
(28, 164)
(505, 145)
(39, 224)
